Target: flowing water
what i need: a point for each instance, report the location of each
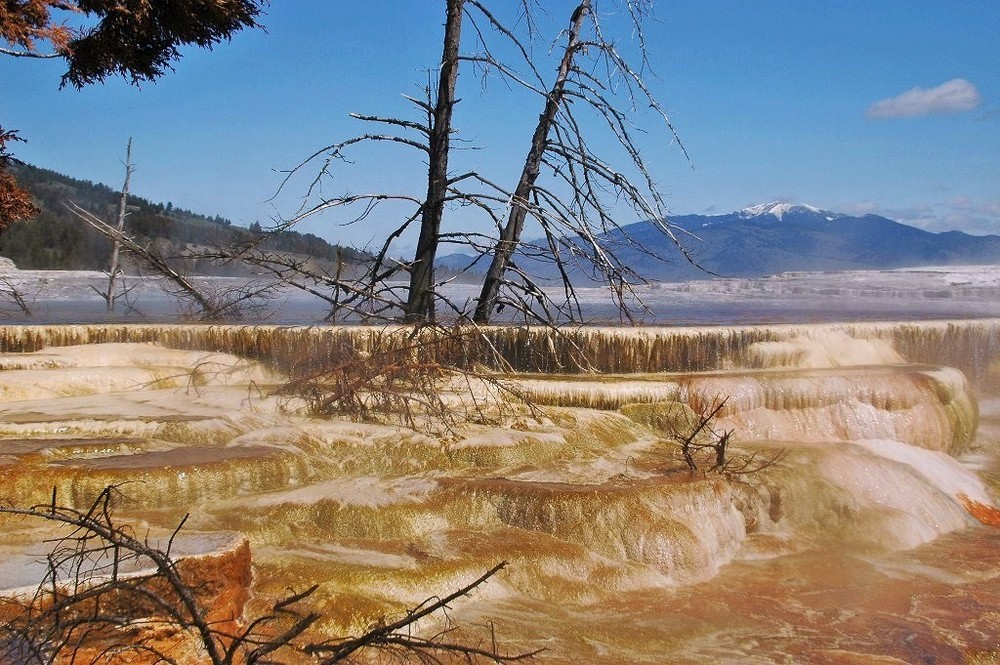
(863, 541)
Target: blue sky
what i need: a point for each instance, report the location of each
(890, 107)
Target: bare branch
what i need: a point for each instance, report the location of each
(91, 600)
(30, 54)
(391, 635)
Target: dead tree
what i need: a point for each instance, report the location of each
(582, 225)
(571, 194)
(420, 299)
(206, 304)
(510, 235)
(371, 295)
(114, 269)
(706, 449)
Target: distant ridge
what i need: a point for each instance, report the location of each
(777, 237)
(57, 240)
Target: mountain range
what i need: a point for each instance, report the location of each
(776, 237)
(757, 241)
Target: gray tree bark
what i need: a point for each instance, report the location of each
(420, 299)
(116, 244)
(511, 233)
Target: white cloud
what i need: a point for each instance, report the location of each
(953, 96)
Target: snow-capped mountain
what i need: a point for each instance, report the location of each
(772, 238)
(780, 237)
(782, 210)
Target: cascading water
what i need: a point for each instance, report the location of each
(858, 545)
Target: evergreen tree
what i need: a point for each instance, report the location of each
(137, 42)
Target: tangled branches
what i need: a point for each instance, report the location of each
(110, 596)
(703, 447)
(429, 378)
(701, 444)
(203, 302)
(538, 232)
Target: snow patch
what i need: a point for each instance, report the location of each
(779, 210)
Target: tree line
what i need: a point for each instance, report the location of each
(55, 238)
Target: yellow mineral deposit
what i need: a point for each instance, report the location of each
(864, 543)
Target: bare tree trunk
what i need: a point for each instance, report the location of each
(113, 268)
(151, 257)
(511, 233)
(420, 300)
(573, 192)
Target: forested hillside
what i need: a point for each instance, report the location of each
(59, 240)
